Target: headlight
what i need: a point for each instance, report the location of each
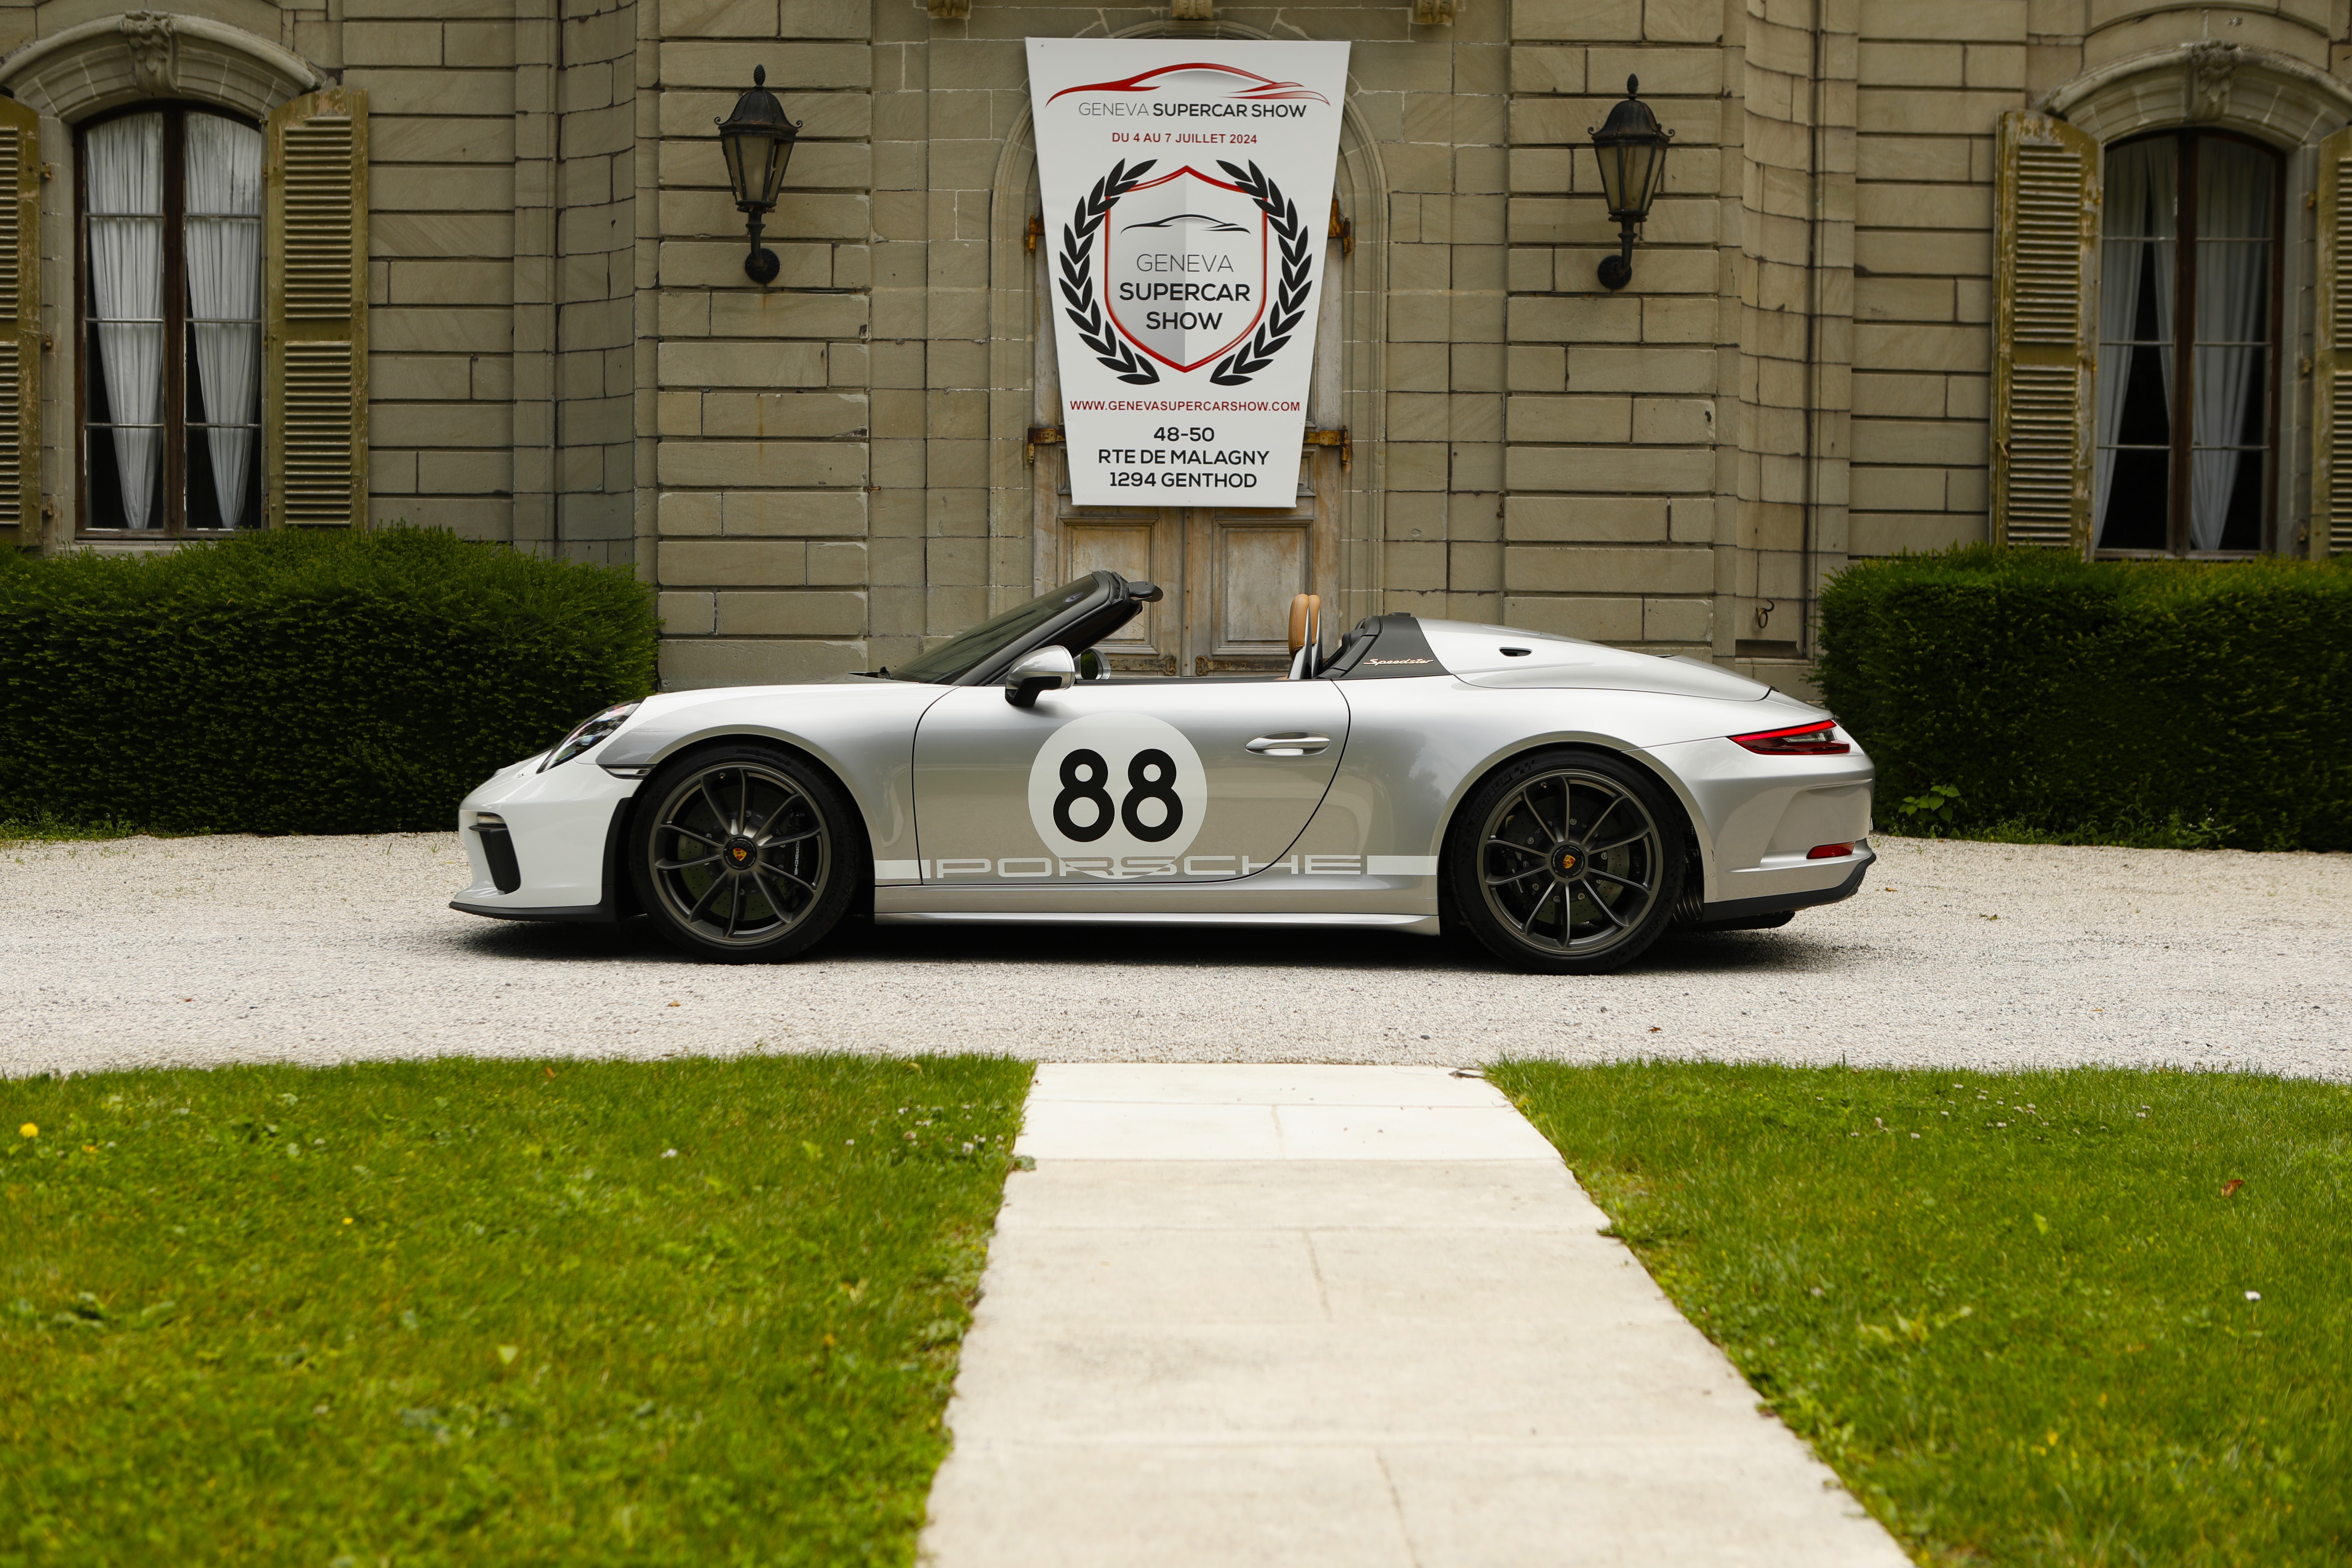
(588, 733)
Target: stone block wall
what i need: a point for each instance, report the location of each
(827, 474)
(757, 407)
(441, 236)
(1934, 81)
(1798, 374)
(1435, 105)
(503, 141)
(575, 264)
(1552, 455)
(1787, 531)
(595, 280)
(1621, 405)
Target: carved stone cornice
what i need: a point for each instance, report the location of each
(110, 61)
(2239, 87)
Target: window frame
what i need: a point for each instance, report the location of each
(175, 113)
(2183, 310)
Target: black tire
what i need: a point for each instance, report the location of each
(743, 854)
(1566, 862)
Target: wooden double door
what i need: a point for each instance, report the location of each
(1229, 573)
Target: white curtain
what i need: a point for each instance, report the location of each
(2139, 235)
(224, 238)
(126, 259)
(2233, 208)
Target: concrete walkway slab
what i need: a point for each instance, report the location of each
(1246, 1315)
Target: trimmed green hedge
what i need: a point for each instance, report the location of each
(296, 682)
(2083, 698)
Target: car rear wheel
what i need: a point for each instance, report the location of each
(1566, 862)
(742, 854)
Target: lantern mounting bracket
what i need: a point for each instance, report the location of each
(761, 266)
(1617, 271)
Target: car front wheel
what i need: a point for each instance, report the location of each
(742, 854)
(1566, 862)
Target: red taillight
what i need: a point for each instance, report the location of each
(1828, 851)
(1804, 741)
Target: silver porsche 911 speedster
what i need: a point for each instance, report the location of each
(1564, 802)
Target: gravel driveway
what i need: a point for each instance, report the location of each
(207, 950)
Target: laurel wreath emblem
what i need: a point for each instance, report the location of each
(1078, 277)
(1274, 329)
(1289, 296)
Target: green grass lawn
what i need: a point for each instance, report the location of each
(466, 1312)
(2018, 1313)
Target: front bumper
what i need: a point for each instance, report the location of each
(564, 826)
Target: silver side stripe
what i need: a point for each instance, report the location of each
(1223, 867)
(1401, 864)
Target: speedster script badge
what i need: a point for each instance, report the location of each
(1186, 184)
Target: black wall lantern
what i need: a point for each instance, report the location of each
(758, 141)
(1632, 154)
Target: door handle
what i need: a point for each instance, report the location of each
(1289, 745)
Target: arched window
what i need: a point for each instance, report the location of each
(169, 203)
(2186, 442)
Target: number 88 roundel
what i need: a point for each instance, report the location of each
(1118, 784)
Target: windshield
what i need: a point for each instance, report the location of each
(960, 655)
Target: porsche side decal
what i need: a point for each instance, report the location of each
(1017, 869)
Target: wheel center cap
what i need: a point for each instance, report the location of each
(739, 853)
(1567, 860)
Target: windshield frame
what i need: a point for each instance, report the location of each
(1069, 605)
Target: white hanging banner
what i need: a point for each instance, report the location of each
(1187, 184)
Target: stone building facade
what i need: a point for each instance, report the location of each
(1865, 313)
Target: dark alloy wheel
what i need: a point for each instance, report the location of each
(1566, 862)
(742, 854)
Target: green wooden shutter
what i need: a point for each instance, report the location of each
(2331, 357)
(317, 311)
(20, 325)
(2045, 291)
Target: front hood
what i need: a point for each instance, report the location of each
(669, 720)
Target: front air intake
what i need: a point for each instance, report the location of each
(497, 849)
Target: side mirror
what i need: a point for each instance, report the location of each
(1092, 667)
(1034, 674)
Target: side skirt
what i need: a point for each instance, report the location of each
(1419, 925)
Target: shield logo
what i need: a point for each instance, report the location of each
(740, 853)
(1185, 267)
